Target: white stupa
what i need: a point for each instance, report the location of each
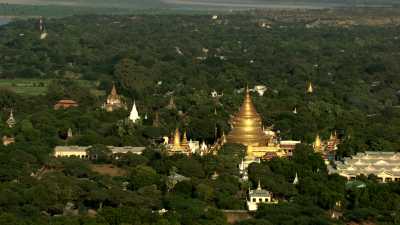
(296, 180)
(134, 115)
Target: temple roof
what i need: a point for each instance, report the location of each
(371, 163)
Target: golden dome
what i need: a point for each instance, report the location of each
(247, 125)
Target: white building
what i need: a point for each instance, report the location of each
(384, 165)
(194, 146)
(260, 89)
(259, 196)
(134, 115)
(81, 151)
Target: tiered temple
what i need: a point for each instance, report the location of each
(327, 148)
(247, 129)
(114, 101)
(179, 145)
(247, 125)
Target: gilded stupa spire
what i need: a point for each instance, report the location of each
(247, 125)
(177, 138)
(317, 143)
(114, 91)
(184, 139)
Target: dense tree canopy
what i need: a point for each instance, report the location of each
(153, 58)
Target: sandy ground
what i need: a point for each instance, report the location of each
(107, 169)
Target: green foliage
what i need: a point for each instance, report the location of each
(356, 84)
(99, 153)
(142, 176)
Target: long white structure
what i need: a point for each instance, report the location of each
(384, 165)
(81, 151)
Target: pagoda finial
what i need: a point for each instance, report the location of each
(177, 138)
(11, 120)
(259, 185)
(184, 139)
(331, 137)
(114, 90)
(223, 137)
(317, 143)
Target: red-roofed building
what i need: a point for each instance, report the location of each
(65, 104)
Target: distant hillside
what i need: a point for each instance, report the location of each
(206, 3)
(61, 8)
(90, 3)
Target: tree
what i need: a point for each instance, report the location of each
(99, 153)
(142, 176)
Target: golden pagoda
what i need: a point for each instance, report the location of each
(114, 101)
(178, 145)
(247, 125)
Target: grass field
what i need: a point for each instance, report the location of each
(39, 86)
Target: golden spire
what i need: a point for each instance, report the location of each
(247, 125)
(332, 136)
(114, 91)
(177, 138)
(223, 137)
(317, 143)
(184, 139)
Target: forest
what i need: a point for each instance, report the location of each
(151, 58)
